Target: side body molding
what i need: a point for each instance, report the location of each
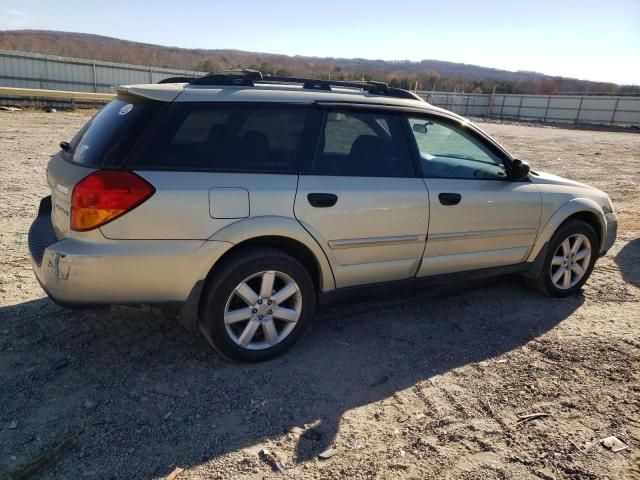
(254, 227)
(571, 207)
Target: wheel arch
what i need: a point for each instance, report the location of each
(591, 219)
(578, 208)
(285, 234)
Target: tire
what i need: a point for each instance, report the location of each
(239, 323)
(552, 277)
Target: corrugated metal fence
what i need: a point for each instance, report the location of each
(33, 70)
(576, 109)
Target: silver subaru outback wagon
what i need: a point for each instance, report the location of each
(244, 200)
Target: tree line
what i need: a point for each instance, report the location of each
(431, 81)
(424, 75)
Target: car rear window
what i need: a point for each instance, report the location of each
(231, 137)
(106, 140)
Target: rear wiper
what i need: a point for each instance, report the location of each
(65, 146)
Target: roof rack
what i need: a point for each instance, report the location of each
(249, 78)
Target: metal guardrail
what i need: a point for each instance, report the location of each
(53, 94)
(36, 97)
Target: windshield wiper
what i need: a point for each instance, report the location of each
(456, 155)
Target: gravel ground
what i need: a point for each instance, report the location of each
(420, 384)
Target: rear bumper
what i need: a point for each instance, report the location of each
(77, 271)
(612, 230)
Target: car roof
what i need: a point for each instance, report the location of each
(278, 93)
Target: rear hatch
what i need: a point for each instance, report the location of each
(103, 143)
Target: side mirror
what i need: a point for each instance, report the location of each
(420, 128)
(519, 170)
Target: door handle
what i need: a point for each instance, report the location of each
(449, 198)
(322, 200)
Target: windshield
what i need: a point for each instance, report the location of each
(108, 137)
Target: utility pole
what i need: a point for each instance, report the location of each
(330, 68)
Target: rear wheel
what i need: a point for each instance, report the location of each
(569, 260)
(257, 305)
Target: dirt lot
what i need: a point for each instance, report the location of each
(422, 384)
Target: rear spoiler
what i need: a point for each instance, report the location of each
(161, 92)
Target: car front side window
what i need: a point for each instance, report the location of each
(447, 151)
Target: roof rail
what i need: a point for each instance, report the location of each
(249, 78)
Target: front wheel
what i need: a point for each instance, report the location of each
(257, 305)
(569, 260)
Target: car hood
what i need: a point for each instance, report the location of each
(550, 179)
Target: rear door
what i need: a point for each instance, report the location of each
(361, 199)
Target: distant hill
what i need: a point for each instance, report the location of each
(428, 73)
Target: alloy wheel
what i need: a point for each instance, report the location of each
(263, 310)
(570, 261)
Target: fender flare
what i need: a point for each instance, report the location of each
(255, 227)
(573, 206)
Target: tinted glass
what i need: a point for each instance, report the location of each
(362, 144)
(108, 137)
(450, 152)
(230, 138)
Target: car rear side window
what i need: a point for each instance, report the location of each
(232, 137)
(107, 138)
(363, 144)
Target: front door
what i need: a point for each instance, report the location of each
(479, 218)
(361, 199)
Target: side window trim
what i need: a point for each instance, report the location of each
(480, 139)
(307, 166)
(412, 144)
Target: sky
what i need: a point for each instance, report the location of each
(586, 39)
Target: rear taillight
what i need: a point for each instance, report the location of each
(104, 196)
